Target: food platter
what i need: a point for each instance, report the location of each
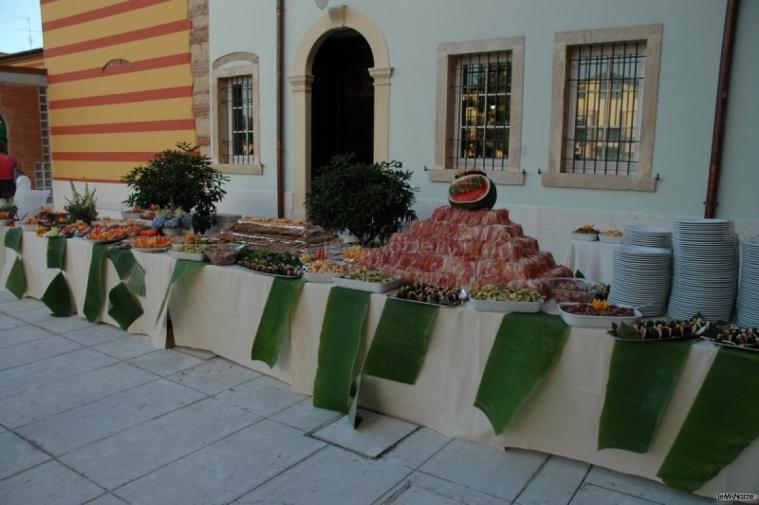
(458, 303)
(269, 274)
(187, 255)
(104, 240)
(319, 277)
(371, 287)
(151, 249)
(506, 306)
(587, 321)
(730, 345)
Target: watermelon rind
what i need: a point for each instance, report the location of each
(486, 201)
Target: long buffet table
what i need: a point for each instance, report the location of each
(219, 308)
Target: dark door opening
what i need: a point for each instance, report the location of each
(342, 110)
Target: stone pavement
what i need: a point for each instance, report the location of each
(90, 414)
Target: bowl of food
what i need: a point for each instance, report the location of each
(374, 281)
(192, 252)
(223, 254)
(586, 232)
(492, 298)
(572, 289)
(598, 314)
(611, 236)
(323, 270)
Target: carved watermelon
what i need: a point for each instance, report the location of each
(472, 191)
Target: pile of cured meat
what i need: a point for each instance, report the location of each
(460, 248)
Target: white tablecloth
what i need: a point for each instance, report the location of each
(594, 259)
(219, 309)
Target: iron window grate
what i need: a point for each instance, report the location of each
(602, 128)
(482, 112)
(237, 99)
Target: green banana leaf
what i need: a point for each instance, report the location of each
(525, 348)
(182, 268)
(124, 306)
(94, 297)
(275, 320)
(721, 423)
(56, 252)
(339, 343)
(400, 342)
(128, 269)
(642, 376)
(57, 297)
(16, 282)
(353, 416)
(13, 237)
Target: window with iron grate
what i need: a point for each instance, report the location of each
(236, 136)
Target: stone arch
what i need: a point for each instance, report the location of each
(301, 80)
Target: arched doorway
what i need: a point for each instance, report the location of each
(342, 114)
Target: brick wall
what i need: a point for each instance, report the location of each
(19, 106)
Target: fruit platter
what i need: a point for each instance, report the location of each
(660, 330)
(323, 270)
(150, 244)
(493, 298)
(734, 337)
(274, 264)
(611, 236)
(223, 254)
(191, 252)
(586, 232)
(104, 235)
(373, 281)
(428, 294)
(354, 253)
(77, 229)
(597, 314)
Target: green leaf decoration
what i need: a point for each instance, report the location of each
(635, 401)
(129, 270)
(56, 252)
(13, 237)
(400, 342)
(16, 282)
(124, 306)
(525, 348)
(275, 320)
(340, 340)
(720, 424)
(579, 275)
(57, 297)
(182, 268)
(94, 297)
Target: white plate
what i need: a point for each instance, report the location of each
(372, 287)
(588, 237)
(595, 321)
(506, 306)
(151, 249)
(324, 277)
(186, 255)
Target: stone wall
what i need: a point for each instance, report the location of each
(20, 108)
(198, 14)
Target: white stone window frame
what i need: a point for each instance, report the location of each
(643, 179)
(447, 55)
(238, 64)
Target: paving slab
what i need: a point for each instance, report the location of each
(641, 488)
(36, 350)
(375, 435)
(76, 427)
(422, 489)
(50, 399)
(97, 334)
(331, 476)
(14, 305)
(7, 322)
(496, 472)
(16, 455)
(165, 362)
(35, 315)
(127, 347)
(305, 417)
(198, 353)
(224, 470)
(22, 335)
(264, 396)
(417, 448)
(6, 296)
(57, 368)
(214, 376)
(589, 494)
(556, 482)
(47, 484)
(64, 324)
(141, 449)
(107, 499)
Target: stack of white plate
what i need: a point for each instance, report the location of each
(705, 269)
(642, 278)
(748, 292)
(644, 235)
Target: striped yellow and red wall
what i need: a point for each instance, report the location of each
(119, 83)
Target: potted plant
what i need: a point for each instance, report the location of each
(81, 206)
(369, 200)
(172, 222)
(181, 178)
